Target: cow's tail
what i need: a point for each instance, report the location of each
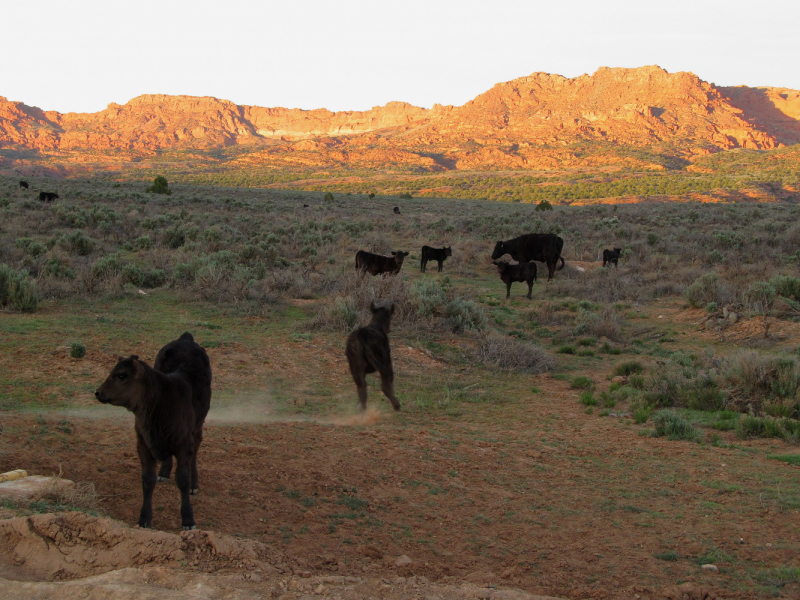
(561, 258)
(357, 266)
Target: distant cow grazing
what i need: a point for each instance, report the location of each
(541, 247)
(611, 256)
(376, 264)
(368, 351)
(396, 210)
(522, 272)
(24, 184)
(170, 403)
(47, 196)
(437, 254)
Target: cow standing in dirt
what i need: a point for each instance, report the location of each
(170, 407)
(437, 254)
(541, 247)
(368, 351)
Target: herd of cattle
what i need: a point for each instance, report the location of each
(171, 399)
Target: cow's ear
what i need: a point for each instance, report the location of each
(391, 310)
(372, 307)
(139, 368)
(394, 253)
(120, 358)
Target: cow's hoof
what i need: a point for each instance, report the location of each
(162, 479)
(194, 491)
(189, 527)
(144, 525)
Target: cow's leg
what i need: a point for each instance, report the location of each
(551, 269)
(165, 471)
(198, 439)
(422, 264)
(441, 262)
(530, 288)
(508, 290)
(183, 477)
(360, 378)
(387, 385)
(149, 464)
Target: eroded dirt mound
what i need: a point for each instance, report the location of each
(74, 545)
(102, 559)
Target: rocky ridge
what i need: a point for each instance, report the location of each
(527, 123)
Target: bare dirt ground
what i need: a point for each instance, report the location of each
(516, 489)
(554, 502)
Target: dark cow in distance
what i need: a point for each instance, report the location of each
(47, 196)
(170, 404)
(437, 254)
(368, 351)
(541, 247)
(23, 184)
(396, 210)
(522, 272)
(611, 256)
(376, 264)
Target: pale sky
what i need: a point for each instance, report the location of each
(80, 55)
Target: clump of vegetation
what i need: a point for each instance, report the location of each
(628, 368)
(674, 427)
(160, 186)
(17, 290)
(77, 350)
(509, 354)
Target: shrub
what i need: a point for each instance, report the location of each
(30, 246)
(77, 243)
(77, 350)
(143, 243)
(108, 266)
(17, 290)
(154, 278)
(429, 296)
(405, 196)
(566, 349)
(133, 274)
(160, 186)
(786, 286)
(342, 316)
(760, 297)
(544, 205)
(706, 289)
(582, 383)
(465, 315)
(628, 368)
(670, 424)
(328, 197)
(174, 238)
(750, 426)
(588, 398)
(512, 355)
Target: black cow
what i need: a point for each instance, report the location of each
(368, 351)
(396, 210)
(522, 272)
(169, 409)
(541, 247)
(437, 254)
(376, 264)
(611, 256)
(23, 184)
(47, 196)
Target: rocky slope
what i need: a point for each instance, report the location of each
(538, 121)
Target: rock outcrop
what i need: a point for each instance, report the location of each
(530, 122)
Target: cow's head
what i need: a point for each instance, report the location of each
(400, 256)
(382, 315)
(124, 386)
(499, 250)
(448, 251)
(501, 266)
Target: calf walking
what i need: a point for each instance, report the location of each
(522, 272)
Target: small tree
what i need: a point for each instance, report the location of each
(328, 197)
(159, 186)
(761, 297)
(544, 205)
